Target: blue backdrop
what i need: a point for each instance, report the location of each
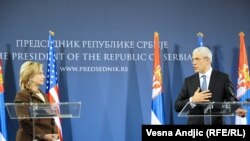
(104, 54)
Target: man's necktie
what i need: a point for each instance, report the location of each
(204, 83)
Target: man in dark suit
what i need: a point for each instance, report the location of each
(204, 86)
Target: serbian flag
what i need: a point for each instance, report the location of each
(243, 84)
(51, 80)
(157, 107)
(3, 129)
(200, 39)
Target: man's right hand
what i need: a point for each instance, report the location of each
(203, 96)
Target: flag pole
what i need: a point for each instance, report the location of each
(241, 34)
(52, 33)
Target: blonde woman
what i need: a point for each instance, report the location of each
(31, 78)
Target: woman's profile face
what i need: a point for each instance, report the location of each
(38, 78)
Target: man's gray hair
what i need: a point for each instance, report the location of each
(204, 51)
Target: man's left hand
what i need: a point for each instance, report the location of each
(241, 112)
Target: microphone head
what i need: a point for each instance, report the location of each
(248, 100)
(231, 91)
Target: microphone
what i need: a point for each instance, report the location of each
(234, 107)
(231, 91)
(248, 100)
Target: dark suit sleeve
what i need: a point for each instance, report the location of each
(183, 97)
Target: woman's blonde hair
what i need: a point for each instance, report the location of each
(28, 70)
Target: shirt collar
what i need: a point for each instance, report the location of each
(207, 74)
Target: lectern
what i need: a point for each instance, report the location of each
(207, 110)
(43, 110)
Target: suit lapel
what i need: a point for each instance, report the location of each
(212, 81)
(196, 81)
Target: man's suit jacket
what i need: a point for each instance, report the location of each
(42, 126)
(218, 86)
